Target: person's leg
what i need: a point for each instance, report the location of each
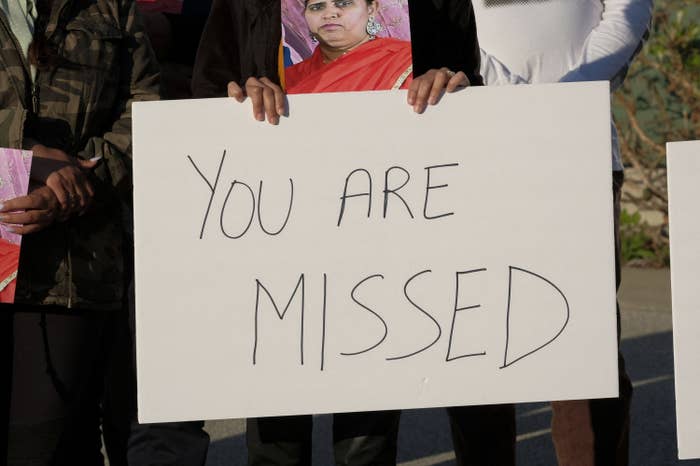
(483, 435)
(279, 441)
(170, 443)
(56, 386)
(163, 444)
(119, 397)
(364, 439)
(6, 352)
(596, 432)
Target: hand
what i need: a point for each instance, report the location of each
(427, 88)
(266, 96)
(31, 213)
(66, 177)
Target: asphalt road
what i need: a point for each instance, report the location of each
(647, 345)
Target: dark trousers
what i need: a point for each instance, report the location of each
(126, 440)
(483, 435)
(50, 386)
(359, 439)
(596, 432)
(172, 444)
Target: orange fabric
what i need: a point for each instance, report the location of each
(375, 65)
(9, 262)
(280, 65)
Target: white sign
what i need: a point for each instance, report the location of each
(361, 257)
(683, 161)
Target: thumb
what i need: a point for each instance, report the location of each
(89, 164)
(235, 91)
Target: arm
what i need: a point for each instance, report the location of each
(240, 41)
(237, 56)
(139, 82)
(443, 34)
(496, 73)
(612, 45)
(218, 60)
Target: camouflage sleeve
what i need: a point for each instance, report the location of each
(140, 81)
(11, 127)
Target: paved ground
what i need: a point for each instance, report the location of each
(645, 299)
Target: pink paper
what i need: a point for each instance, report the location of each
(14, 182)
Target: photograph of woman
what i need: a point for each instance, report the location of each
(350, 54)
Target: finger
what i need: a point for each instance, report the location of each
(86, 193)
(82, 198)
(422, 96)
(90, 191)
(441, 78)
(89, 164)
(29, 228)
(24, 218)
(413, 91)
(270, 108)
(280, 101)
(256, 97)
(28, 202)
(77, 194)
(60, 189)
(457, 81)
(235, 91)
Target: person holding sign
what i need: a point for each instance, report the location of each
(584, 41)
(69, 72)
(349, 56)
(241, 55)
(248, 62)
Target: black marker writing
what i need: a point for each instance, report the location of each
(429, 187)
(289, 211)
(223, 210)
(506, 361)
(211, 187)
(346, 196)
(386, 329)
(457, 309)
(439, 329)
(260, 286)
(394, 191)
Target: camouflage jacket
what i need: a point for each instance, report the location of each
(82, 105)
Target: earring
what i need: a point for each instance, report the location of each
(373, 27)
(313, 37)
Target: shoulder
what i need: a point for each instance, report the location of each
(293, 73)
(392, 45)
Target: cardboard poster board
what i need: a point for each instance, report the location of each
(374, 259)
(683, 161)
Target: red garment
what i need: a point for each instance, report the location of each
(9, 262)
(374, 65)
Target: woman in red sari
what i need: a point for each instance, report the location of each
(349, 56)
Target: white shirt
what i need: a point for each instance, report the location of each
(541, 41)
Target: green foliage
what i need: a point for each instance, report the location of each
(659, 103)
(638, 246)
